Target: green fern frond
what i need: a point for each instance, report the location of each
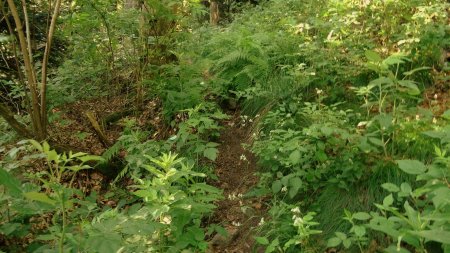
(121, 174)
(112, 151)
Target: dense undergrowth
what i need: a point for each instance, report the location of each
(348, 103)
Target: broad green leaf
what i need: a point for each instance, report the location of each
(276, 186)
(36, 145)
(394, 249)
(446, 115)
(347, 243)
(388, 201)
(341, 235)
(11, 183)
(211, 153)
(41, 197)
(9, 228)
(90, 158)
(360, 231)
(294, 185)
(412, 215)
(212, 144)
(361, 216)
(381, 81)
(441, 197)
(373, 56)
(294, 157)
(273, 245)
(406, 188)
(333, 242)
(436, 235)
(262, 240)
(45, 147)
(393, 60)
(52, 156)
(376, 141)
(390, 187)
(105, 243)
(408, 73)
(413, 167)
(411, 87)
(385, 120)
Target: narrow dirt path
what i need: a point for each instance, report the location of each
(235, 168)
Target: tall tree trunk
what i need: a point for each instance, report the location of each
(214, 13)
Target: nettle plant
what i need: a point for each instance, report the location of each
(288, 230)
(306, 144)
(168, 219)
(51, 201)
(385, 97)
(195, 132)
(413, 217)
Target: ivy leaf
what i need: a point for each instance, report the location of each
(413, 167)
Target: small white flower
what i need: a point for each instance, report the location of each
(284, 189)
(434, 120)
(166, 220)
(261, 222)
(417, 117)
(240, 195)
(435, 96)
(318, 92)
(298, 221)
(236, 224)
(243, 157)
(295, 210)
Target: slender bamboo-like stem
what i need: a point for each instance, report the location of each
(30, 72)
(16, 58)
(48, 45)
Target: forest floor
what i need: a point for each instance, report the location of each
(235, 168)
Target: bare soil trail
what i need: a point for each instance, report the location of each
(235, 169)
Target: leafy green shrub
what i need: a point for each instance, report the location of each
(194, 134)
(410, 215)
(165, 215)
(306, 147)
(169, 219)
